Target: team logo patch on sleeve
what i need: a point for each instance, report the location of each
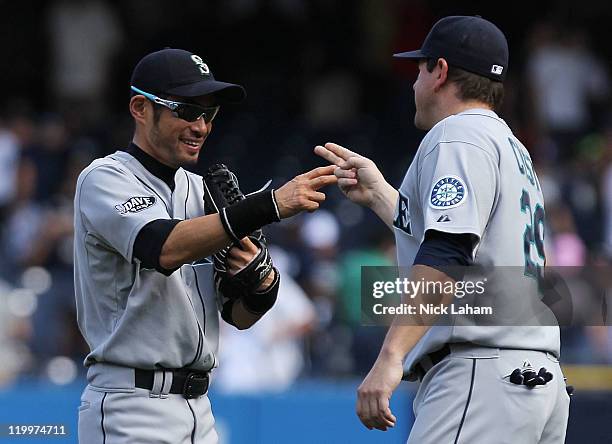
(448, 192)
(135, 204)
(402, 221)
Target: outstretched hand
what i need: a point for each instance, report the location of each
(358, 177)
(301, 193)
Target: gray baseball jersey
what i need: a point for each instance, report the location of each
(471, 175)
(129, 315)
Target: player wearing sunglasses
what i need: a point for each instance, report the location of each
(189, 112)
(148, 299)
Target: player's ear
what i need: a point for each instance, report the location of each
(138, 108)
(441, 74)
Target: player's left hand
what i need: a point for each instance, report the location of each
(375, 391)
(239, 257)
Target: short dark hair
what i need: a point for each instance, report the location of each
(473, 86)
(157, 108)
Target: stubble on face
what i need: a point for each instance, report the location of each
(164, 136)
(164, 145)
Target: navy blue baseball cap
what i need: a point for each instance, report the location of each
(470, 43)
(181, 73)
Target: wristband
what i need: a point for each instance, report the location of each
(249, 214)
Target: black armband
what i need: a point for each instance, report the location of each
(260, 302)
(446, 252)
(249, 214)
(149, 242)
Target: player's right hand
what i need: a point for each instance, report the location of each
(358, 177)
(301, 193)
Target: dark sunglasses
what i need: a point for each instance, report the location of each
(186, 111)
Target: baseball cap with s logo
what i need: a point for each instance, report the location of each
(181, 73)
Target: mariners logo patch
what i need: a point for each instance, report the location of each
(448, 192)
(135, 204)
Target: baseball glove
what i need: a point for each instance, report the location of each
(221, 189)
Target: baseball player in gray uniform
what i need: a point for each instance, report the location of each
(147, 294)
(470, 197)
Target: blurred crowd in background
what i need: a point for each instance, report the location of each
(315, 71)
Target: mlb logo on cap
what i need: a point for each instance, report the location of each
(496, 69)
(470, 43)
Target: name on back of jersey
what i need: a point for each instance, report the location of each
(524, 163)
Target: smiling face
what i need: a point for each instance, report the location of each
(169, 139)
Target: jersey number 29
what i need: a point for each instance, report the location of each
(534, 229)
(533, 236)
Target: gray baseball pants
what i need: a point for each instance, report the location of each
(139, 416)
(468, 398)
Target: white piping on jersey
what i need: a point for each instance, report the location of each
(201, 334)
(213, 200)
(262, 188)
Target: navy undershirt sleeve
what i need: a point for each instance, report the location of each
(149, 243)
(446, 252)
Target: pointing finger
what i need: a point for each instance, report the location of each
(339, 150)
(327, 155)
(320, 171)
(323, 181)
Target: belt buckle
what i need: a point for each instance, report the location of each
(196, 385)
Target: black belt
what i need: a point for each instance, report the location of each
(190, 384)
(435, 358)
